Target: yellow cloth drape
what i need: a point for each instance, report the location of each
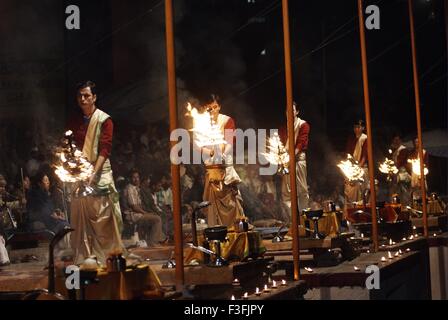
(225, 199)
(328, 225)
(96, 228)
(240, 246)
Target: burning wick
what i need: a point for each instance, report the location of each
(407, 250)
(232, 298)
(400, 252)
(362, 235)
(390, 242)
(389, 255)
(274, 284)
(356, 268)
(236, 282)
(414, 227)
(397, 254)
(411, 237)
(435, 235)
(368, 251)
(308, 269)
(246, 295)
(257, 291)
(404, 239)
(283, 283)
(383, 259)
(266, 289)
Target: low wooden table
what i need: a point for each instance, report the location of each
(318, 248)
(203, 275)
(293, 290)
(439, 222)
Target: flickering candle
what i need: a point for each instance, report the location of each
(257, 291)
(232, 298)
(266, 289)
(407, 250)
(283, 283)
(308, 269)
(389, 255)
(383, 259)
(246, 296)
(356, 268)
(274, 284)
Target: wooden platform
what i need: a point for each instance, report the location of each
(307, 243)
(434, 222)
(293, 290)
(318, 250)
(402, 277)
(202, 275)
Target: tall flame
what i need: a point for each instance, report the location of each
(277, 153)
(388, 167)
(206, 131)
(72, 166)
(351, 169)
(416, 167)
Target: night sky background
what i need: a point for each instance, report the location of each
(232, 48)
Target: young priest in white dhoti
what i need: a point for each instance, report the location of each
(221, 179)
(96, 218)
(301, 136)
(357, 148)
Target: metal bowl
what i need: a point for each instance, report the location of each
(313, 214)
(218, 233)
(380, 204)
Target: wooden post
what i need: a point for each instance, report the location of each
(175, 173)
(365, 80)
(291, 145)
(419, 120)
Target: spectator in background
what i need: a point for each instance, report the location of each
(33, 164)
(41, 208)
(149, 224)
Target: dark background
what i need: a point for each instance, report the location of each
(219, 46)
